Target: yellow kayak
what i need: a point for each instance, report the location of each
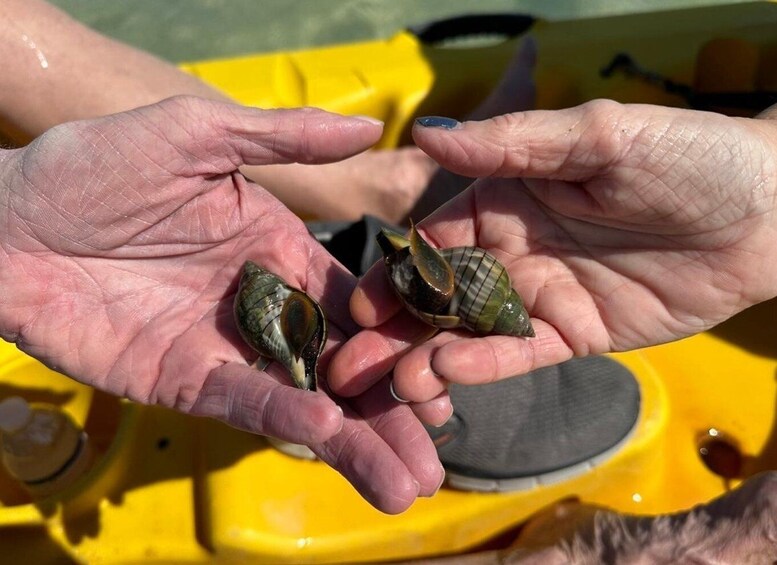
(168, 488)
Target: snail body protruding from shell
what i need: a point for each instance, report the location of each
(280, 322)
(456, 287)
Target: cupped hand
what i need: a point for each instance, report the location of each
(121, 243)
(393, 184)
(621, 227)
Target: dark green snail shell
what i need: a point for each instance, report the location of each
(486, 301)
(478, 295)
(281, 323)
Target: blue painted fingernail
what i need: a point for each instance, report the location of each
(438, 122)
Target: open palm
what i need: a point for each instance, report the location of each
(621, 227)
(122, 243)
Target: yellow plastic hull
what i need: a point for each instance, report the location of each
(171, 488)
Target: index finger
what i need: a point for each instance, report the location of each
(371, 354)
(373, 301)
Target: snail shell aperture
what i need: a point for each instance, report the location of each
(456, 287)
(280, 322)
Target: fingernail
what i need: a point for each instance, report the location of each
(447, 419)
(438, 122)
(369, 119)
(442, 480)
(439, 485)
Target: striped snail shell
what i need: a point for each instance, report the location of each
(456, 287)
(280, 322)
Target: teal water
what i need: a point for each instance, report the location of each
(186, 30)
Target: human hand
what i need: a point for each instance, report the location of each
(393, 184)
(88, 75)
(120, 248)
(621, 227)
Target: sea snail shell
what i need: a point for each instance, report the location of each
(280, 322)
(456, 287)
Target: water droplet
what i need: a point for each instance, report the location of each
(28, 41)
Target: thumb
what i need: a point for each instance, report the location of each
(571, 144)
(219, 137)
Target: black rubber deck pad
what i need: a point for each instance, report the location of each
(542, 422)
